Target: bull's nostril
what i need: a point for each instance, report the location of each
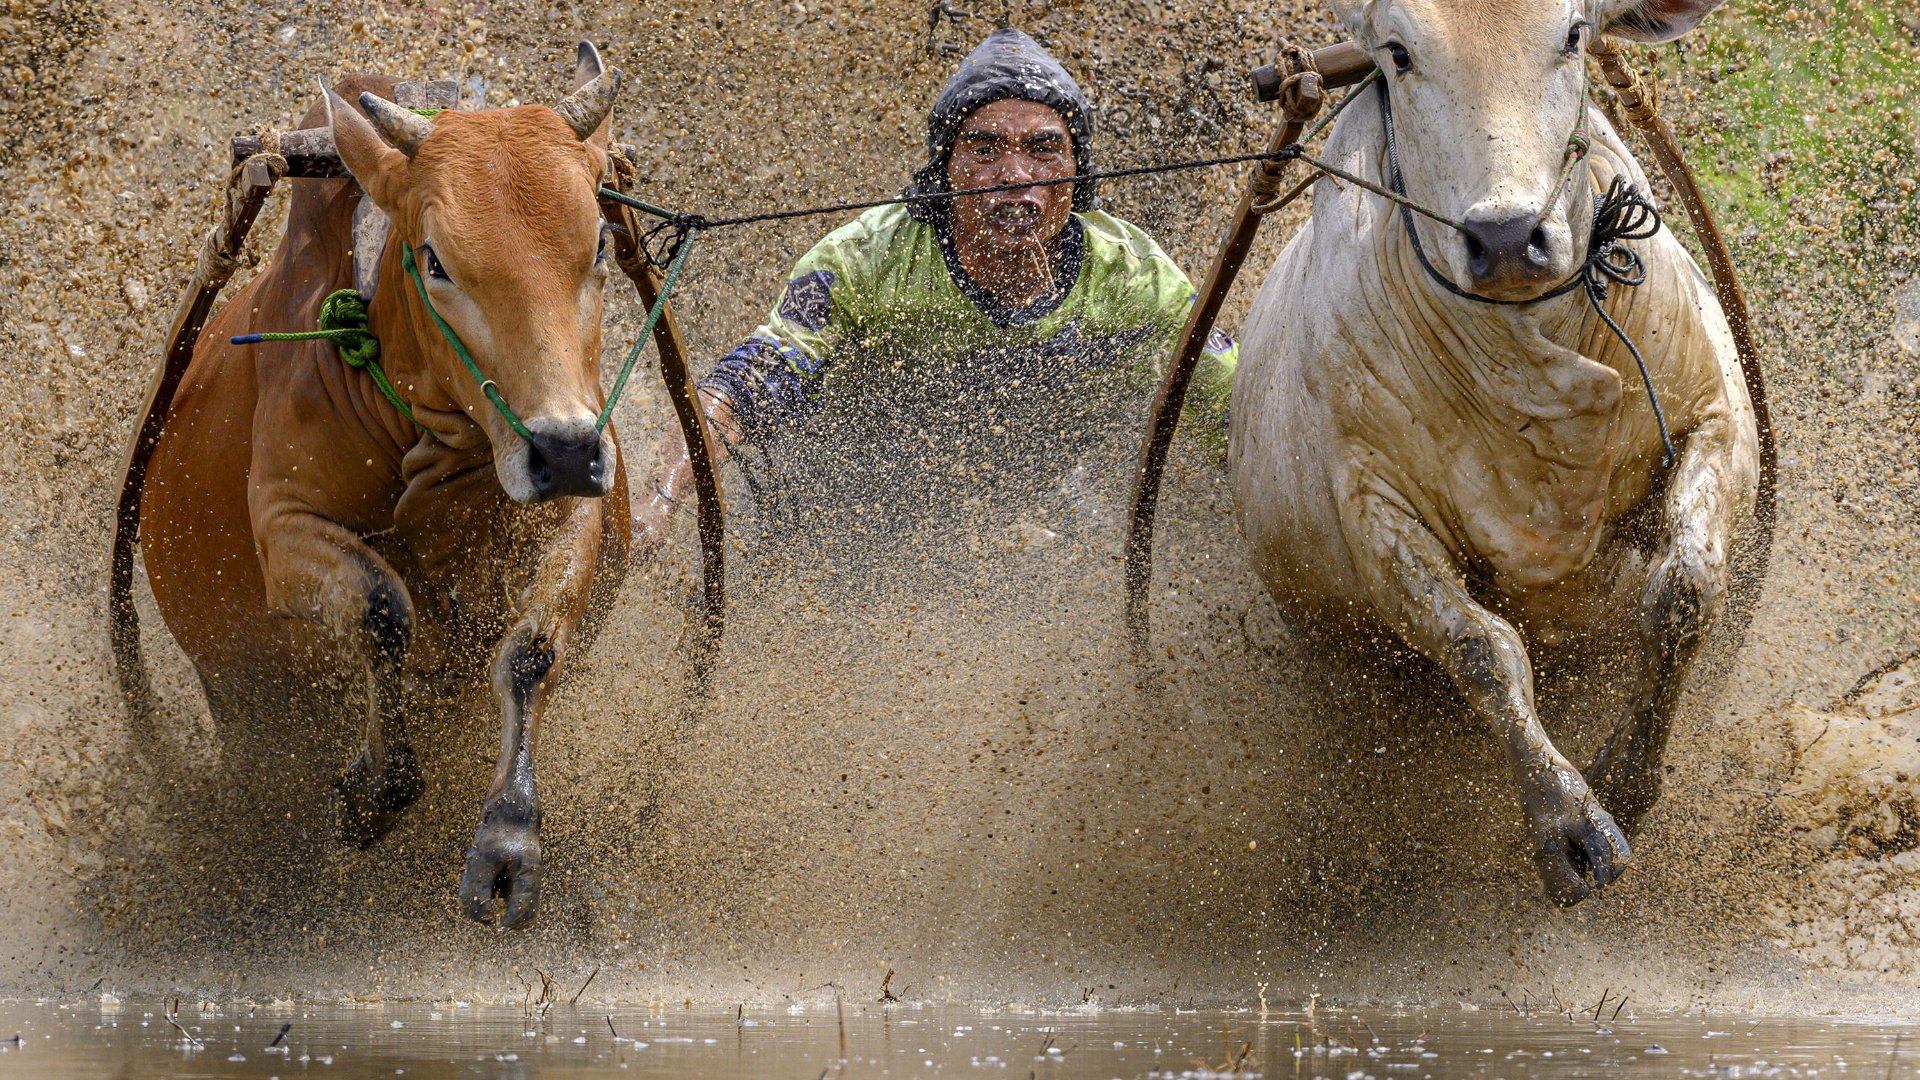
(1476, 250)
(1537, 249)
(538, 469)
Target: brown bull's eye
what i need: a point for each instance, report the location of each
(1402, 60)
(434, 269)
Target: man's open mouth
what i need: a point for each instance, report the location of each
(1017, 216)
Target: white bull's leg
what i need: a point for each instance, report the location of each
(1417, 588)
(1685, 589)
(317, 569)
(504, 859)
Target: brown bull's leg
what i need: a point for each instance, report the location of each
(1684, 592)
(504, 859)
(317, 569)
(1417, 586)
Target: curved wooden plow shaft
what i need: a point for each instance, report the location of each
(252, 182)
(1172, 395)
(680, 390)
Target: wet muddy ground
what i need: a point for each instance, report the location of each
(466, 1039)
(952, 769)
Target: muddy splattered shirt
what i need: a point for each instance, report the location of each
(887, 389)
(884, 297)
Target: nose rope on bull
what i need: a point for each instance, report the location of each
(1621, 213)
(487, 386)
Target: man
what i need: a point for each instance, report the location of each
(926, 354)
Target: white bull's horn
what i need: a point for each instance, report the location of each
(403, 129)
(585, 108)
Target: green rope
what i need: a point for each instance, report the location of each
(343, 321)
(487, 385)
(622, 197)
(653, 316)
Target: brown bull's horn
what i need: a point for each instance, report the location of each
(586, 65)
(587, 107)
(403, 129)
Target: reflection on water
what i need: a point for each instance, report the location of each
(458, 1039)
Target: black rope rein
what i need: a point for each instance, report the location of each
(675, 226)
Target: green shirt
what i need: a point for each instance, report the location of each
(879, 298)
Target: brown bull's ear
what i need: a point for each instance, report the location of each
(589, 110)
(1652, 21)
(378, 167)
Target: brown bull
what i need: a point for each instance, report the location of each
(288, 501)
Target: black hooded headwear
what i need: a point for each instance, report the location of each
(1009, 64)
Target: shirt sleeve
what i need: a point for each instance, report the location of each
(775, 374)
(1173, 299)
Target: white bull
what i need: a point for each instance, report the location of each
(1471, 475)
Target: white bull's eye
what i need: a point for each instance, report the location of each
(1573, 37)
(1402, 59)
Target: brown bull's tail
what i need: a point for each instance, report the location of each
(252, 182)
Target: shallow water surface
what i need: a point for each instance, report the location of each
(458, 1040)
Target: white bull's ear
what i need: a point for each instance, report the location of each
(379, 169)
(1355, 15)
(1652, 21)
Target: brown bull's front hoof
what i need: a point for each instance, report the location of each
(365, 807)
(503, 864)
(1579, 852)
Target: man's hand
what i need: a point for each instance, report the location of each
(652, 527)
(673, 486)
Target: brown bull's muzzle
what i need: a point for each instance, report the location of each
(564, 458)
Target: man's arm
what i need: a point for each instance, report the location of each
(770, 377)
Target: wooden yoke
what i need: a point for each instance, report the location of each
(1300, 93)
(646, 279)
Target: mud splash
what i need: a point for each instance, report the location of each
(953, 772)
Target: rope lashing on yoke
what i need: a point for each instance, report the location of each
(343, 321)
(1622, 213)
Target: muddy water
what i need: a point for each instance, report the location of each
(950, 769)
(459, 1039)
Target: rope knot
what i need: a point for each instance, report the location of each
(343, 318)
(663, 242)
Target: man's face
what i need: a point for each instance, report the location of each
(1011, 141)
